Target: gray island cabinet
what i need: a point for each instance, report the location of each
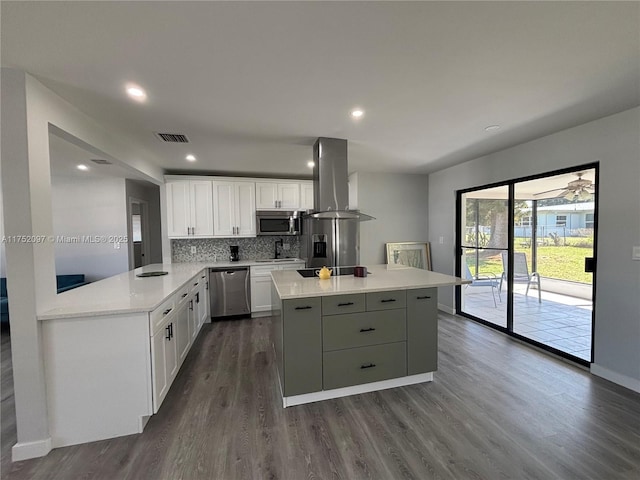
(382, 332)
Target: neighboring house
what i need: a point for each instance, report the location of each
(570, 220)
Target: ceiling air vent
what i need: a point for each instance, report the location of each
(173, 137)
(101, 161)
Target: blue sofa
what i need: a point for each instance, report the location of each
(63, 283)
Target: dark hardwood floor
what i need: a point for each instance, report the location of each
(496, 410)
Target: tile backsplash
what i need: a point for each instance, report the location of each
(217, 249)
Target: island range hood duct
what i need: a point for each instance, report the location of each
(330, 181)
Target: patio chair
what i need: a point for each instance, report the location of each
(520, 272)
(483, 280)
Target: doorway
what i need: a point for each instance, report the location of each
(138, 226)
(528, 246)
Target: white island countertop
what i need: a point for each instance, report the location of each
(290, 284)
(127, 293)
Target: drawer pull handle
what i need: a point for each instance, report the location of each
(423, 298)
(184, 295)
(166, 312)
(370, 365)
(370, 329)
(388, 300)
(195, 284)
(346, 304)
(304, 308)
(168, 334)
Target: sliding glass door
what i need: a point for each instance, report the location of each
(484, 236)
(528, 248)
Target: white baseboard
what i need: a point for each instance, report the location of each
(26, 450)
(261, 314)
(355, 389)
(624, 380)
(446, 309)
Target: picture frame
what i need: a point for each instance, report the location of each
(412, 254)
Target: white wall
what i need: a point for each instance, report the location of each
(89, 207)
(399, 203)
(612, 141)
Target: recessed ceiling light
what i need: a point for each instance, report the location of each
(357, 113)
(311, 164)
(190, 158)
(136, 92)
(82, 167)
(491, 128)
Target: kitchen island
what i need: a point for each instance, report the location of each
(349, 335)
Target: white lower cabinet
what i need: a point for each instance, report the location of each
(164, 359)
(261, 285)
(175, 326)
(202, 301)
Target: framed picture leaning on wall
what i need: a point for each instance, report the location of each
(412, 254)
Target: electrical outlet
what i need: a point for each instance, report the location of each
(636, 253)
(441, 240)
(193, 250)
(286, 246)
(116, 245)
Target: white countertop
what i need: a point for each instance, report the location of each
(290, 284)
(126, 293)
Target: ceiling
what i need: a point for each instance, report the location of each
(536, 189)
(65, 156)
(252, 84)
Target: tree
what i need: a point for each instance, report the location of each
(495, 215)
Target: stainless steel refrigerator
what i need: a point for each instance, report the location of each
(331, 242)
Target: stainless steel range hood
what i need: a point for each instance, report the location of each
(330, 181)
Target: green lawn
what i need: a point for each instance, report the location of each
(562, 262)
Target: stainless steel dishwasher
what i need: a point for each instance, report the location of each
(229, 290)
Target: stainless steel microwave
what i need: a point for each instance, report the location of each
(270, 222)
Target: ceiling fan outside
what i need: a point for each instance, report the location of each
(581, 189)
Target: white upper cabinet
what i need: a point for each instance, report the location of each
(278, 195)
(234, 206)
(306, 195)
(189, 208)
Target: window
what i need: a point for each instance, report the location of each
(561, 220)
(588, 221)
(525, 221)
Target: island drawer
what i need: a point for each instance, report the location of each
(301, 307)
(338, 304)
(158, 315)
(354, 366)
(386, 300)
(361, 329)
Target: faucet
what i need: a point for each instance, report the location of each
(278, 243)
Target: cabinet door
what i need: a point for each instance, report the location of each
(245, 208)
(306, 196)
(224, 205)
(158, 367)
(201, 208)
(194, 317)
(178, 211)
(202, 302)
(261, 293)
(302, 346)
(181, 332)
(422, 330)
(266, 195)
(289, 196)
